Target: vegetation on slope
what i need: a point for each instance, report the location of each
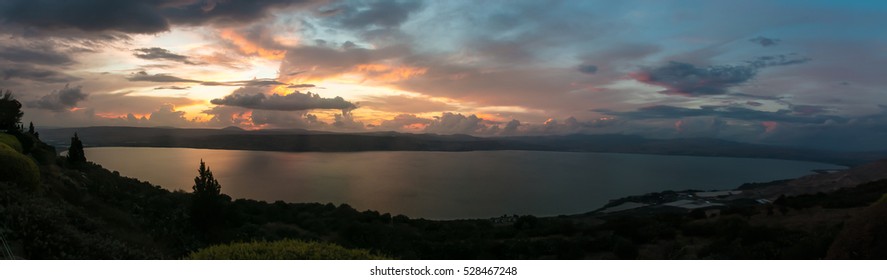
(80, 210)
(287, 249)
(18, 168)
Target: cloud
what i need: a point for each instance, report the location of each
(161, 54)
(404, 122)
(136, 17)
(405, 104)
(376, 13)
(777, 60)
(346, 122)
(282, 119)
(60, 100)
(91, 15)
(687, 79)
(301, 86)
(311, 62)
(226, 12)
(164, 115)
(172, 87)
(120, 104)
(35, 53)
(587, 68)
(228, 116)
(511, 127)
(39, 74)
(247, 83)
(167, 115)
(764, 41)
(740, 113)
(143, 76)
(450, 123)
(254, 98)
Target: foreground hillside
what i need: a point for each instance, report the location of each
(83, 211)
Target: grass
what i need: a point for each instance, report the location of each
(282, 250)
(11, 141)
(18, 168)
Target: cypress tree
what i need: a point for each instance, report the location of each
(75, 151)
(207, 204)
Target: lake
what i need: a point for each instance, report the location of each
(445, 185)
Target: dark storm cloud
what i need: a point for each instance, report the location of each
(141, 17)
(511, 127)
(301, 86)
(85, 15)
(807, 110)
(587, 68)
(172, 87)
(687, 79)
(740, 113)
(777, 60)
(224, 12)
(377, 13)
(246, 83)
(36, 54)
(284, 119)
(143, 76)
(60, 100)
(161, 54)
(29, 72)
(253, 98)
(764, 41)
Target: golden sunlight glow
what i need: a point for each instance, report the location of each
(388, 73)
(374, 117)
(107, 115)
(247, 47)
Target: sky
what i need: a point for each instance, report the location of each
(797, 73)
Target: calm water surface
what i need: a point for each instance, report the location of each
(445, 185)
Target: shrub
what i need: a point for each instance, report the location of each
(11, 141)
(18, 168)
(281, 250)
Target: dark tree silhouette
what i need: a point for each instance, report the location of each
(31, 128)
(75, 151)
(10, 112)
(207, 203)
(205, 184)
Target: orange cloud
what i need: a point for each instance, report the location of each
(491, 117)
(388, 73)
(110, 115)
(247, 47)
(769, 126)
(415, 127)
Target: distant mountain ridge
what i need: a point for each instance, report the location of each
(298, 140)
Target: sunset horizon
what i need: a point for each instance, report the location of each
(766, 73)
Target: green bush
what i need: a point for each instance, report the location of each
(281, 250)
(11, 141)
(18, 168)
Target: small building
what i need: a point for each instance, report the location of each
(622, 207)
(692, 204)
(717, 193)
